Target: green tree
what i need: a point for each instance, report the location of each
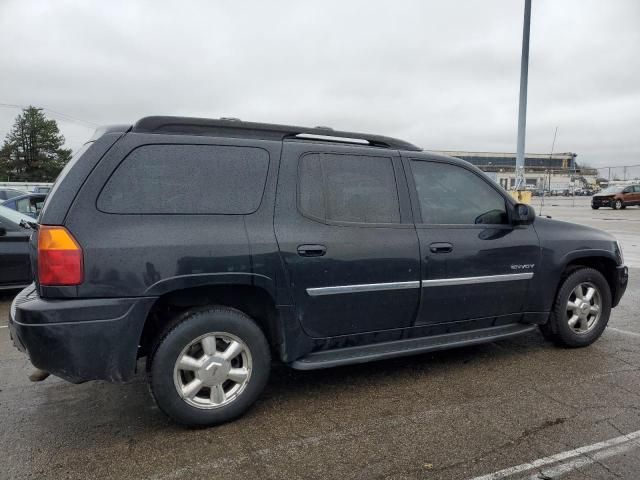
(32, 150)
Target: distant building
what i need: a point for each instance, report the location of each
(556, 172)
(491, 161)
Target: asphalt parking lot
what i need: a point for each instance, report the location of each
(503, 407)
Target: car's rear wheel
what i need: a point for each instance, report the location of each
(581, 309)
(209, 366)
(594, 207)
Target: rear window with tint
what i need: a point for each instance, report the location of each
(187, 179)
(348, 188)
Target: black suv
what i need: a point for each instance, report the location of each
(212, 246)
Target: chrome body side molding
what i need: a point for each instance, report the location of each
(365, 287)
(438, 282)
(441, 282)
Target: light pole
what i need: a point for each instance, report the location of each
(522, 107)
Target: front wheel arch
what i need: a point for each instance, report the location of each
(604, 264)
(559, 328)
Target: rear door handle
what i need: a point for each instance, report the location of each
(311, 250)
(441, 247)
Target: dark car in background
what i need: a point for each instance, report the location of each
(28, 203)
(7, 193)
(617, 197)
(15, 266)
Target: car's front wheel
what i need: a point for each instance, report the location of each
(209, 366)
(594, 207)
(617, 204)
(581, 309)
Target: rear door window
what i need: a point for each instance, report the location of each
(187, 179)
(348, 188)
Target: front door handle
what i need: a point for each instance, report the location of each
(311, 250)
(441, 247)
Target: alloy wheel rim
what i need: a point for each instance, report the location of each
(584, 307)
(213, 370)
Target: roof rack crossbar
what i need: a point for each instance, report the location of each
(236, 128)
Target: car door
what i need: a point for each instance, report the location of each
(347, 239)
(636, 195)
(475, 263)
(14, 254)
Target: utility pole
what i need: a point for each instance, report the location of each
(522, 107)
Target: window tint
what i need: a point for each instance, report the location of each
(181, 179)
(348, 188)
(29, 205)
(449, 194)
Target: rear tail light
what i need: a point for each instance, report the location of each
(59, 257)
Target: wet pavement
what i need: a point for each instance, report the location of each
(452, 415)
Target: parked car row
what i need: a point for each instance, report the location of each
(23, 202)
(579, 192)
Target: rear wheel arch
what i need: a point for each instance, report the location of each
(255, 302)
(209, 366)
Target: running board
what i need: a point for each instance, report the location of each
(411, 346)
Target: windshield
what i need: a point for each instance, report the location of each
(612, 190)
(14, 216)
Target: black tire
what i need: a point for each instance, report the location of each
(557, 327)
(594, 207)
(616, 204)
(188, 327)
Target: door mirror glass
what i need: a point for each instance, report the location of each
(523, 214)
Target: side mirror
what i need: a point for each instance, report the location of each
(523, 214)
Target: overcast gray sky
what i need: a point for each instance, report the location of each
(441, 74)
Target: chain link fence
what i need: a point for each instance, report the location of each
(620, 173)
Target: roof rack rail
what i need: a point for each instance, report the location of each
(236, 128)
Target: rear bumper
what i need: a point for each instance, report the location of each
(622, 279)
(79, 340)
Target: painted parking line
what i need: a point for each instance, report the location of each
(584, 460)
(625, 332)
(4, 326)
(573, 457)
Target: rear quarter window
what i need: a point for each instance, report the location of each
(187, 179)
